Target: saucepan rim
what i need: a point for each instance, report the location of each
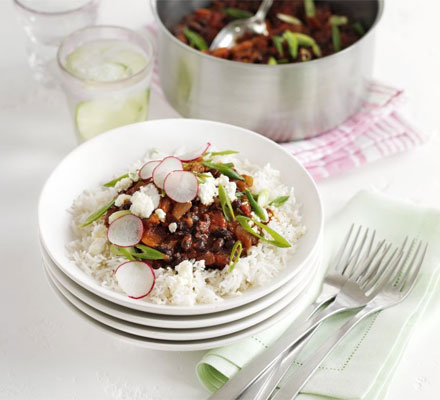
(237, 64)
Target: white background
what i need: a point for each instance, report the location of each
(46, 352)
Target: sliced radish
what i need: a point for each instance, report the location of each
(181, 186)
(146, 172)
(167, 165)
(136, 278)
(195, 154)
(126, 231)
(117, 214)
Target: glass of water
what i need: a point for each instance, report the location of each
(106, 73)
(47, 23)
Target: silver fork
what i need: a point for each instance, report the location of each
(333, 282)
(339, 272)
(351, 296)
(392, 291)
(263, 387)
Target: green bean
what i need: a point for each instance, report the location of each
(296, 39)
(224, 169)
(359, 29)
(278, 240)
(98, 214)
(223, 153)
(113, 182)
(306, 40)
(225, 203)
(235, 255)
(309, 8)
(278, 43)
(289, 19)
(201, 177)
(338, 20)
(237, 13)
(127, 252)
(292, 41)
(258, 210)
(279, 201)
(148, 253)
(336, 38)
(195, 39)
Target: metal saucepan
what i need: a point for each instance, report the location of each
(283, 102)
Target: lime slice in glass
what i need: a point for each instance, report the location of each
(96, 116)
(105, 61)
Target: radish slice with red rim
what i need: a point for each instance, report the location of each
(126, 231)
(195, 154)
(181, 186)
(167, 165)
(146, 172)
(135, 278)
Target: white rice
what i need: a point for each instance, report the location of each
(190, 283)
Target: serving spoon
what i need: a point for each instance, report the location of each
(228, 35)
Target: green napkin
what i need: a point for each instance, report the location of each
(362, 365)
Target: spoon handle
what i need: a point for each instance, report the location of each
(263, 10)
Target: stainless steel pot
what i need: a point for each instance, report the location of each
(283, 102)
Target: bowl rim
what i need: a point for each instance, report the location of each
(185, 345)
(260, 305)
(208, 57)
(200, 332)
(92, 284)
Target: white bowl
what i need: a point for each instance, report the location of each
(181, 321)
(94, 161)
(290, 313)
(258, 321)
(164, 327)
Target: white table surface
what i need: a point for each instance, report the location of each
(47, 352)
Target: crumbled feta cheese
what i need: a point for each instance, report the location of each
(161, 214)
(151, 190)
(230, 187)
(123, 184)
(122, 199)
(172, 227)
(208, 190)
(145, 201)
(141, 205)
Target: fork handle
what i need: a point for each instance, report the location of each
(268, 380)
(302, 374)
(249, 373)
(263, 387)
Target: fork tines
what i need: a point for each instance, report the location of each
(372, 265)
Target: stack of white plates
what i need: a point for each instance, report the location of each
(166, 327)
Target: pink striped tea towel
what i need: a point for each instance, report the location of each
(376, 131)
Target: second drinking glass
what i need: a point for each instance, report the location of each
(106, 74)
